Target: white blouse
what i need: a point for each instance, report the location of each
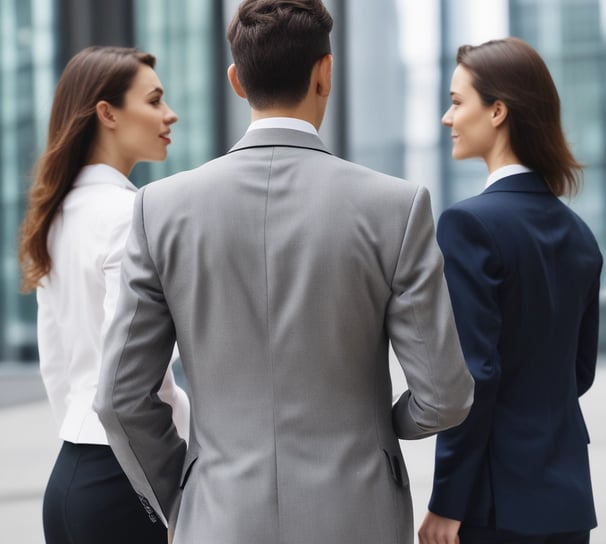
(77, 300)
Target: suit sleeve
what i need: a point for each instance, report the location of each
(474, 273)
(587, 349)
(422, 331)
(136, 354)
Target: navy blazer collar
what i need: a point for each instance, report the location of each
(279, 137)
(530, 182)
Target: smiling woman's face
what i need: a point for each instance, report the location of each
(470, 121)
(143, 123)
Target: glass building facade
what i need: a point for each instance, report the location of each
(393, 61)
(27, 60)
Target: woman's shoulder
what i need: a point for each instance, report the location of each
(100, 183)
(99, 208)
(481, 207)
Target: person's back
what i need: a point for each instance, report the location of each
(72, 238)
(93, 219)
(548, 268)
(283, 272)
(286, 346)
(523, 273)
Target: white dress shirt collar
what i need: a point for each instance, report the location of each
(505, 171)
(95, 174)
(283, 122)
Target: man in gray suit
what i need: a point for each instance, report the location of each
(282, 272)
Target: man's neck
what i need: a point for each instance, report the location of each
(298, 112)
(291, 123)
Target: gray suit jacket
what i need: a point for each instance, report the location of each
(282, 272)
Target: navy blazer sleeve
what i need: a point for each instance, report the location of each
(588, 341)
(474, 272)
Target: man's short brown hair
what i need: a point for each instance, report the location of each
(275, 44)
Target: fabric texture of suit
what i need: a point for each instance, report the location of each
(523, 272)
(283, 272)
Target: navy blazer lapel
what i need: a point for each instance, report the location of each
(530, 182)
(283, 137)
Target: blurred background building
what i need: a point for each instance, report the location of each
(393, 61)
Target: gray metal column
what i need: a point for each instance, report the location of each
(91, 22)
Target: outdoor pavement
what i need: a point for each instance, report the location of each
(29, 446)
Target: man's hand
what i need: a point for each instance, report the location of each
(438, 530)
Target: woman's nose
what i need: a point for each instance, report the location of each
(170, 117)
(447, 118)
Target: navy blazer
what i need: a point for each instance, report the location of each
(523, 272)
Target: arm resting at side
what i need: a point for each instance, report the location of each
(423, 334)
(137, 353)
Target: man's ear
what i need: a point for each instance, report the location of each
(324, 76)
(105, 114)
(499, 113)
(234, 81)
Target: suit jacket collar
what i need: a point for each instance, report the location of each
(530, 182)
(279, 137)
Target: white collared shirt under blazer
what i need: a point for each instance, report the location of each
(77, 300)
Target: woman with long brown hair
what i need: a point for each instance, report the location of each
(108, 114)
(523, 272)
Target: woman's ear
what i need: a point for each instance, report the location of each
(499, 113)
(234, 81)
(105, 114)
